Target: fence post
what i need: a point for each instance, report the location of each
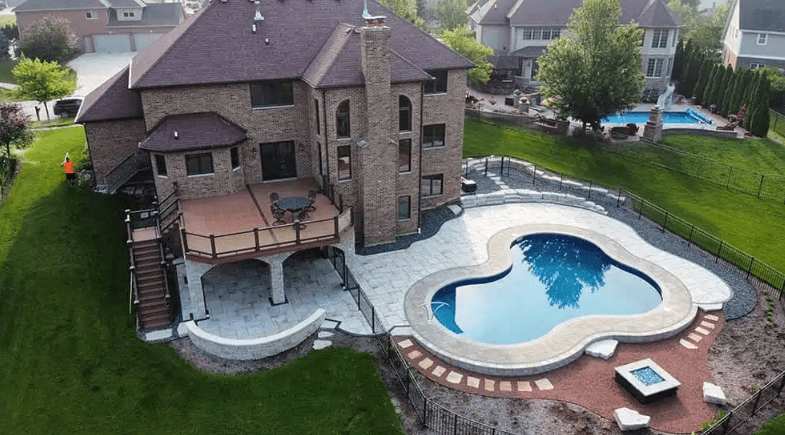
(455, 425)
(534, 175)
(755, 405)
(501, 170)
(782, 384)
(760, 187)
(666, 220)
(730, 172)
(727, 423)
(561, 180)
(590, 186)
(618, 198)
(185, 240)
(690, 239)
(749, 269)
(640, 211)
(425, 411)
(718, 252)
(486, 166)
(256, 238)
(373, 319)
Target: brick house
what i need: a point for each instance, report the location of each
(288, 96)
(754, 35)
(519, 31)
(105, 25)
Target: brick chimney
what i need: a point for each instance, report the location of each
(379, 158)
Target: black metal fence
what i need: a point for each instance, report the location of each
(777, 122)
(733, 422)
(756, 271)
(350, 284)
(431, 414)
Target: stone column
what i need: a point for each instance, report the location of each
(652, 132)
(278, 293)
(194, 271)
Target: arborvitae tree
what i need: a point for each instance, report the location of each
(706, 90)
(727, 99)
(749, 100)
(745, 77)
(716, 91)
(678, 62)
(725, 89)
(706, 70)
(713, 86)
(692, 73)
(759, 124)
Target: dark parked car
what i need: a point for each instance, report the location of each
(68, 107)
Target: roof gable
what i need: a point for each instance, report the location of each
(762, 15)
(111, 100)
(218, 46)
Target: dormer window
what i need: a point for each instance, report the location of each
(762, 38)
(91, 15)
(128, 14)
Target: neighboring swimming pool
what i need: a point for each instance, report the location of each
(687, 117)
(554, 278)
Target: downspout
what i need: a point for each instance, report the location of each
(324, 138)
(419, 146)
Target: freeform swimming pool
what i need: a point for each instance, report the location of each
(553, 278)
(687, 117)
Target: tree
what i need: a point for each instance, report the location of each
(687, 12)
(14, 127)
(740, 90)
(5, 44)
(749, 98)
(462, 41)
(727, 97)
(777, 82)
(678, 62)
(594, 69)
(406, 9)
(451, 13)
(700, 88)
(759, 122)
(42, 81)
(707, 35)
(51, 39)
(724, 87)
(716, 86)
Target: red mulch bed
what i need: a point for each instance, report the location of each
(589, 381)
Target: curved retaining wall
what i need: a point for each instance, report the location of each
(255, 348)
(511, 196)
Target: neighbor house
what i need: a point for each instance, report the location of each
(246, 99)
(105, 25)
(755, 34)
(519, 31)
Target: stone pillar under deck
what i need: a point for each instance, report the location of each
(194, 270)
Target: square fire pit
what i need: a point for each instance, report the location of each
(646, 380)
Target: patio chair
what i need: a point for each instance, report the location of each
(729, 126)
(300, 218)
(274, 198)
(278, 214)
(312, 198)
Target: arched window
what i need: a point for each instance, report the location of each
(404, 114)
(342, 127)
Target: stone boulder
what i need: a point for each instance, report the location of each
(629, 419)
(602, 349)
(713, 394)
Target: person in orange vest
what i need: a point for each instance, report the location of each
(70, 174)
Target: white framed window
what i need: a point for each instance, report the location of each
(527, 33)
(536, 33)
(128, 14)
(555, 33)
(762, 37)
(757, 65)
(660, 38)
(654, 69)
(91, 15)
(546, 33)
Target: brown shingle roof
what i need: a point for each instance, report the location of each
(218, 46)
(111, 100)
(194, 132)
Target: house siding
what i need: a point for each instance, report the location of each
(773, 49)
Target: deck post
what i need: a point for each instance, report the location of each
(212, 245)
(335, 225)
(256, 239)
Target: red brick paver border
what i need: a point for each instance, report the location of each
(589, 381)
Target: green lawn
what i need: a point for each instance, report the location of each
(71, 363)
(775, 426)
(7, 19)
(750, 224)
(54, 121)
(757, 155)
(5, 71)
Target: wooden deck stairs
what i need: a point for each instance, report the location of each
(153, 306)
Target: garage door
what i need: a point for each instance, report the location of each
(112, 43)
(144, 40)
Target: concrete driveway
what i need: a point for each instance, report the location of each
(92, 69)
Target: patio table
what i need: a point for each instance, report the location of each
(294, 204)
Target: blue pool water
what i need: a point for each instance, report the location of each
(687, 117)
(553, 278)
(647, 375)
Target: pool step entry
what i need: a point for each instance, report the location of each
(153, 308)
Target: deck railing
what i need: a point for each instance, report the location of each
(224, 246)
